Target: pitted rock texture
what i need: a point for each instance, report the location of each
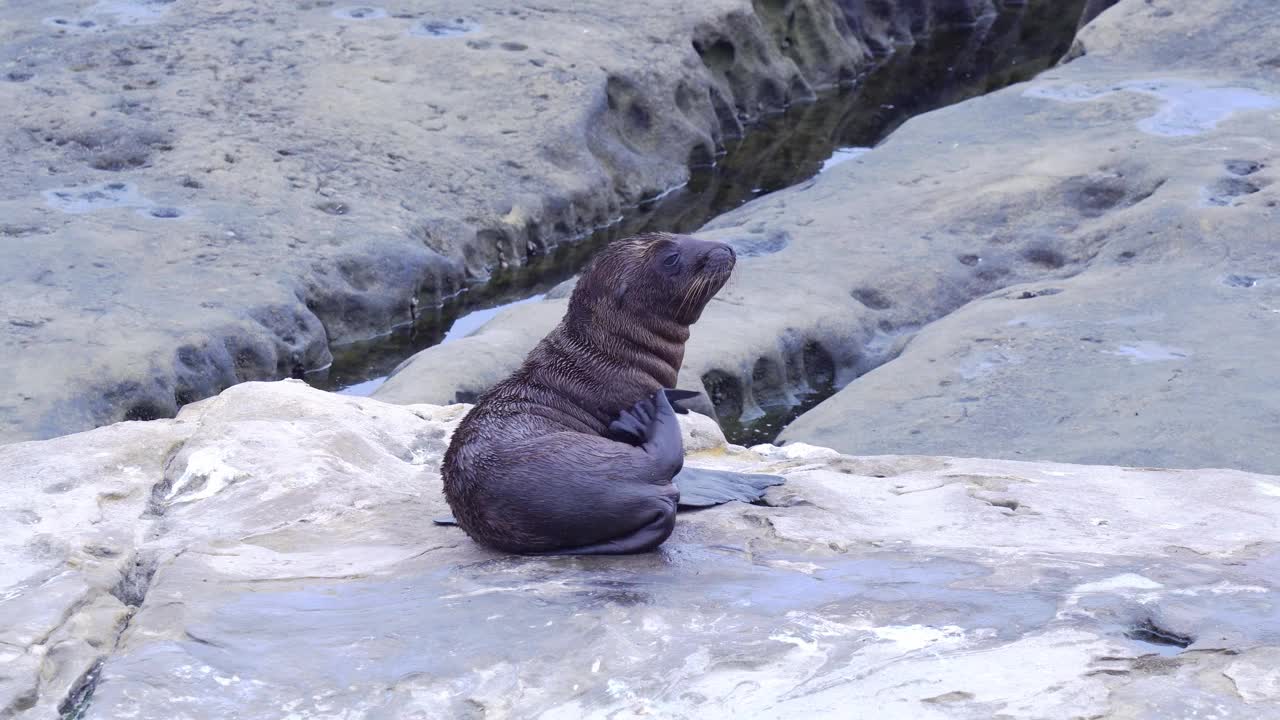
(1081, 268)
(201, 194)
(269, 553)
(1149, 355)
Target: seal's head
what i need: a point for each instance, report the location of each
(672, 277)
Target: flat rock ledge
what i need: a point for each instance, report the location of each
(269, 553)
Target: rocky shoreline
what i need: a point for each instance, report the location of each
(1010, 316)
(268, 553)
(200, 196)
(1081, 268)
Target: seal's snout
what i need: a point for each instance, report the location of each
(721, 258)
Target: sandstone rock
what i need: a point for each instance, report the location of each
(1257, 675)
(1043, 263)
(462, 369)
(936, 71)
(268, 553)
(1149, 355)
(70, 512)
(195, 196)
(1151, 364)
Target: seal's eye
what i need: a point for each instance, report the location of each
(671, 260)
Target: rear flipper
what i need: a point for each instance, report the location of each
(700, 487)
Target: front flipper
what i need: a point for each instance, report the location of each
(633, 424)
(700, 487)
(639, 426)
(651, 425)
(678, 396)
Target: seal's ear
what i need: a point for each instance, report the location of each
(619, 294)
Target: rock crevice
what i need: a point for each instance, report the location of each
(1047, 271)
(226, 230)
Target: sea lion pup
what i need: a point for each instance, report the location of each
(575, 452)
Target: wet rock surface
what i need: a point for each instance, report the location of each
(1079, 268)
(269, 553)
(199, 195)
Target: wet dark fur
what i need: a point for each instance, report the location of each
(532, 469)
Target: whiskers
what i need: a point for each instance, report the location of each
(697, 294)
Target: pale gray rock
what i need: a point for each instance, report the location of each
(1151, 354)
(1257, 675)
(458, 371)
(201, 194)
(1152, 364)
(1080, 268)
(69, 516)
(288, 568)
